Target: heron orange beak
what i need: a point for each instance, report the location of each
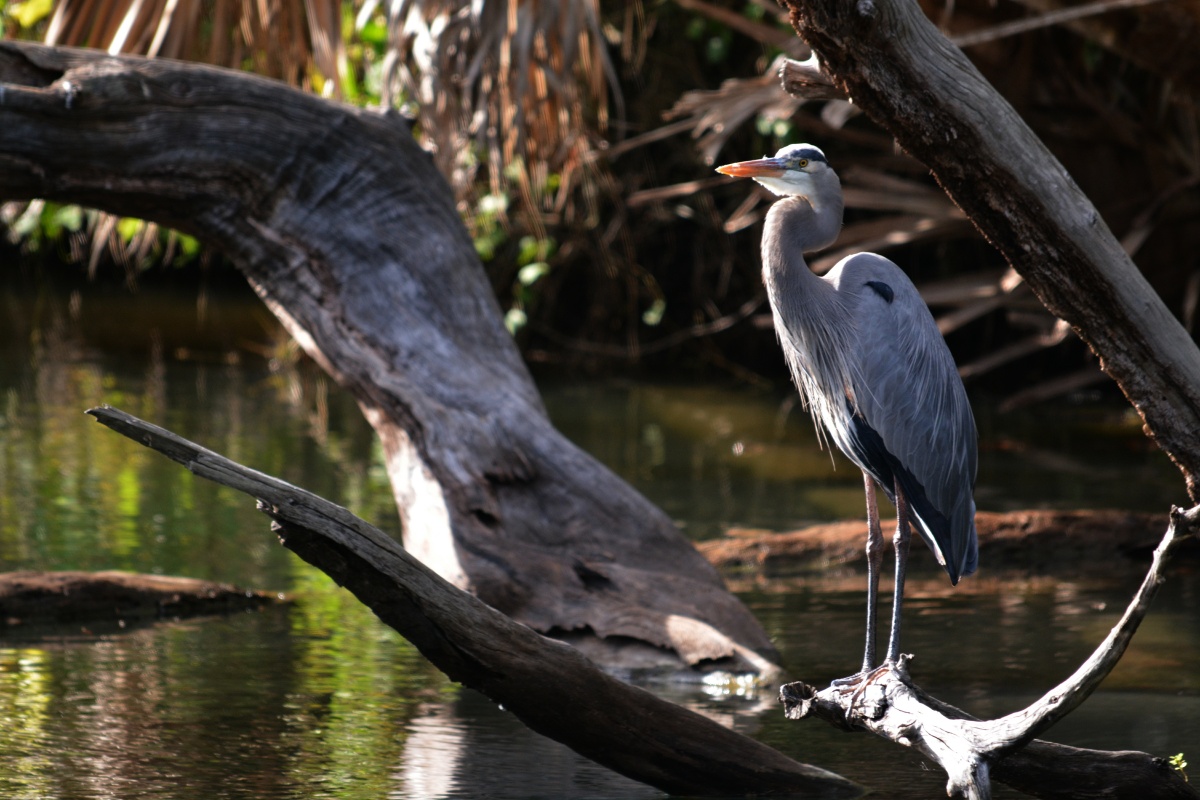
(758, 168)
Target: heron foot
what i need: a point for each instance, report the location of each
(863, 675)
(850, 680)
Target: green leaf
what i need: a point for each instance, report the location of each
(30, 12)
(69, 217)
(128, 227)
(514, 169)
(493, 204)
(654, 314)
(528, 250)
(514, 320)
(532, 273)
(375, 34)
(188, 245)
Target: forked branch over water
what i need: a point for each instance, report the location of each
(887, 703)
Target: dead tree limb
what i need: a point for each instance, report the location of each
(906, 76)
(887, 703)
(350, 236)
(548, 685)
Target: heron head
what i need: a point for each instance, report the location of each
(798, 169)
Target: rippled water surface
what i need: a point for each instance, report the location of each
(316, 698)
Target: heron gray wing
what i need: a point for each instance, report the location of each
(910, 409)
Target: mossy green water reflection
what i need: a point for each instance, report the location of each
(311, 699)
(316, 698)
(75, 497)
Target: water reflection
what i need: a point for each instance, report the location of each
(470, 748)
(318, 699)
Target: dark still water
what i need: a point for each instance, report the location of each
(317, 699)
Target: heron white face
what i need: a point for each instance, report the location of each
(794, 170)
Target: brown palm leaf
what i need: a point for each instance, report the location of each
(293, 40)
(523, 84)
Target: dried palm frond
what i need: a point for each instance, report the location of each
(286, 39)
(717, 115)
(526, 86)
(298, 42)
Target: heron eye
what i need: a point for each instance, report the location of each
(803, 163)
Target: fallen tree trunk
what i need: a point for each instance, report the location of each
(897, 67)
(548, 685)
(1035, 540)
(559, 693)
(349, 234)
(31, 598)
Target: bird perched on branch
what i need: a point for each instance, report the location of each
(874, 371)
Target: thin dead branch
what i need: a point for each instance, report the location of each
(1046, 20)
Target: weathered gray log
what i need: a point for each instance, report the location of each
(31, 598)
(887, 703)
(548, 685)
(897, 67)
(1100, 541)
(349, 234)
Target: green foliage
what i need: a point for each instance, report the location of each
(1179, 764)
(487, 225)
(713, 36)
(366, 43)
(42, 223)
(778, 131)
(533, 261)
(654, 314)
(26, 14)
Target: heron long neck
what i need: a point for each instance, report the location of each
(793, 226)
(812, 323)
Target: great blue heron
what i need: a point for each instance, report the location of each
(874, 371)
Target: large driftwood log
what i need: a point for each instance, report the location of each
(36, 598)
(1033, 540)
(893, 62)
(349, 234)
(548, 685)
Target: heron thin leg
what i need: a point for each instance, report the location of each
(900, 542)
(874, 562)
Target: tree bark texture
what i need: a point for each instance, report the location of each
(548, 685)
(350, 236)
(893, 62)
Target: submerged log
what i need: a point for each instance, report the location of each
(350, 235)
(1036, 540)
(56, 597)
